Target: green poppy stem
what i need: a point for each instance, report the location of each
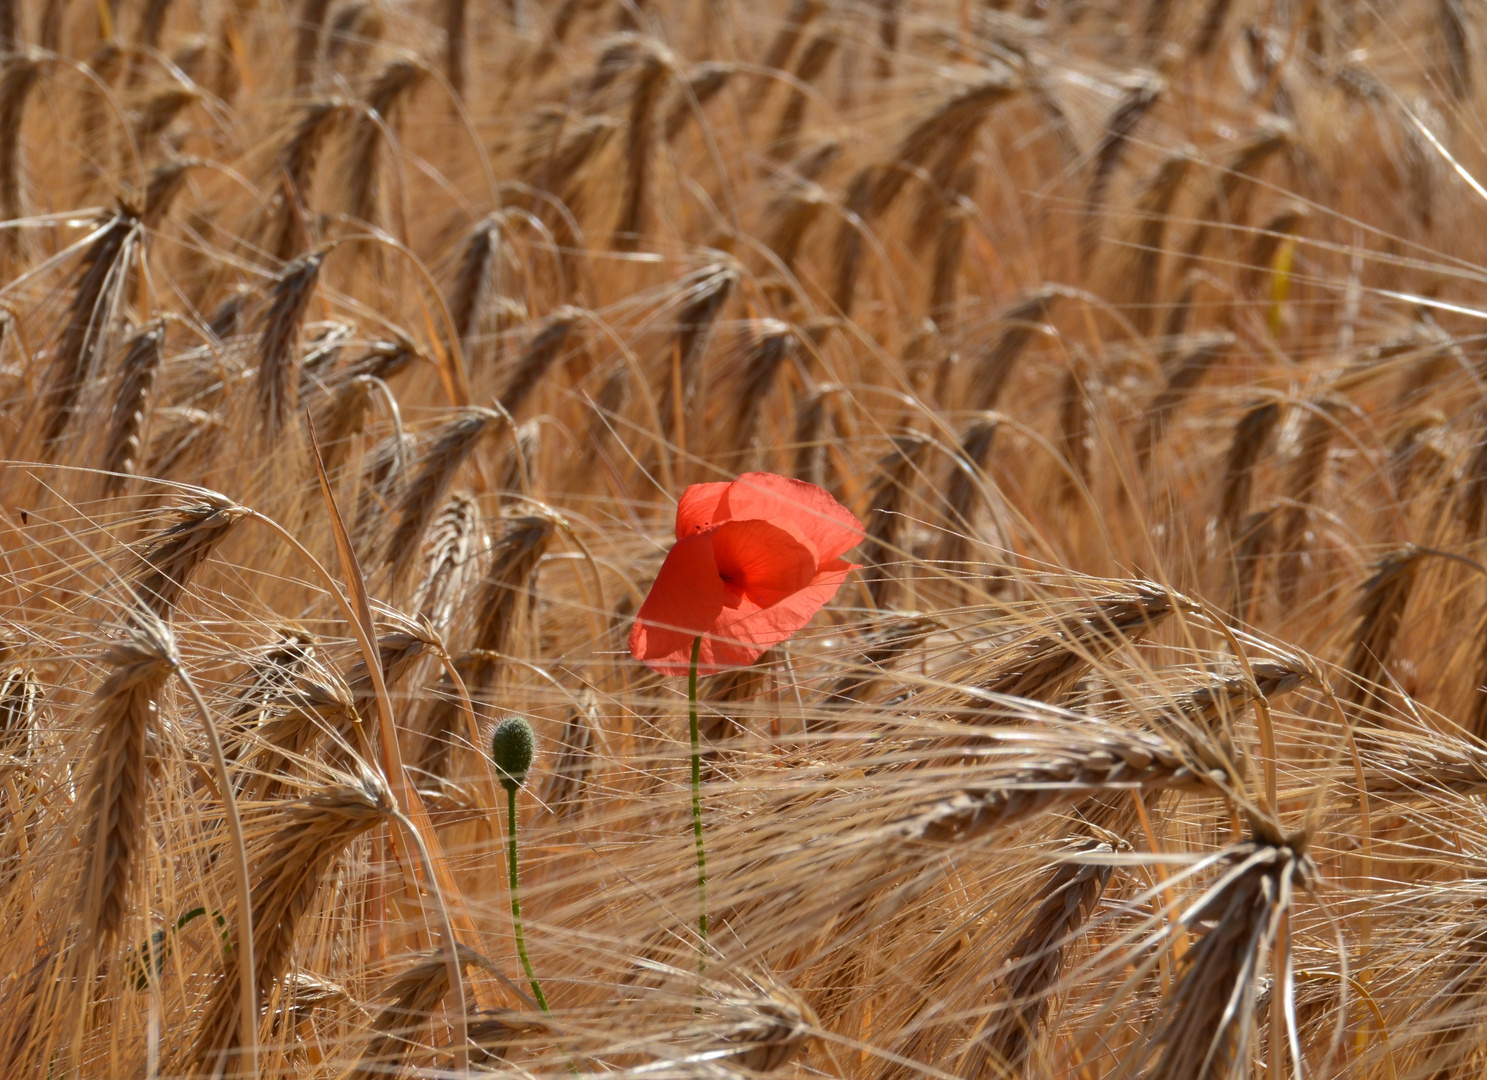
(521, 944)
(697, 807)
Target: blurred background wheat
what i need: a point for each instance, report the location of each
(1144, 338)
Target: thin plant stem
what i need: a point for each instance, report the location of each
(521, 944)
(697, 807)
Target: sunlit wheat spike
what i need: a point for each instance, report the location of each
(797, 18)
(475, 280)
(568, 789)
(1380, 613)
(1211, 28)
(1233, 187)
(164, 182)
(651, 67)
(1267, 244)
(1152, 212)
(1204, 1027)
(1075, 428)
(180, 435)
(681, 363)
(1306, 477)
(507, 585)
(790, 216)
(16, 81)
(131, 407)
(1404, 765)
(962, 492)
(943, 135)
(769, 1026)
(523, 462)
(288, 874)
(1046, 661)
(1183, 377)
(705, 82)
(883, 547)
(1414, 459)
(1139, 99)
(448, 448)
(455, 45)
(113, 797)
(167, 561)
(809, 68)
(812, 433)
(774, 344)
(456, 544)
(353, 34)
(538, 356)
(398, 1027)
(310, 23)
(278, 363)
(398, 650)
(890, 18)
(1058, 772)
(1251, 434)
(990, 372)
(91, 320)
(1065, 901)
(383, 483)
(873, 664)
(949, 129)
(288, 232)
(381, 360)
(160, 111)
(306, 715)
(388, 91)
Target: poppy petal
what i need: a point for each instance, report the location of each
(763, 560)
(826, 523)
(763, 627)
(698, 508)
(685, 601)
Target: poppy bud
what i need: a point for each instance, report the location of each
(512, 747)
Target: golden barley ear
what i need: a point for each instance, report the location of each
(112, 804)
(449, 446)
(169, 559)
(506, 592)
(1209, 1016)
(97, 302)
(17, 79)
(287, 227)
(808, 69)
(541, 351)
(364, 158)
(307, 839)
(883, 549)
(416, 994)
(278, 361)
(1183, 376)
(1380, 611)
(131, 407)
(1063, 903)
(568, 790)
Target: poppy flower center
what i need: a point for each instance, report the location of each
(762, 561)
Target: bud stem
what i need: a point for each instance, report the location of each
(521, 944)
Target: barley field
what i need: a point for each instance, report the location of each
(354, 358)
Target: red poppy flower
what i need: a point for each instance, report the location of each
(754, 560)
